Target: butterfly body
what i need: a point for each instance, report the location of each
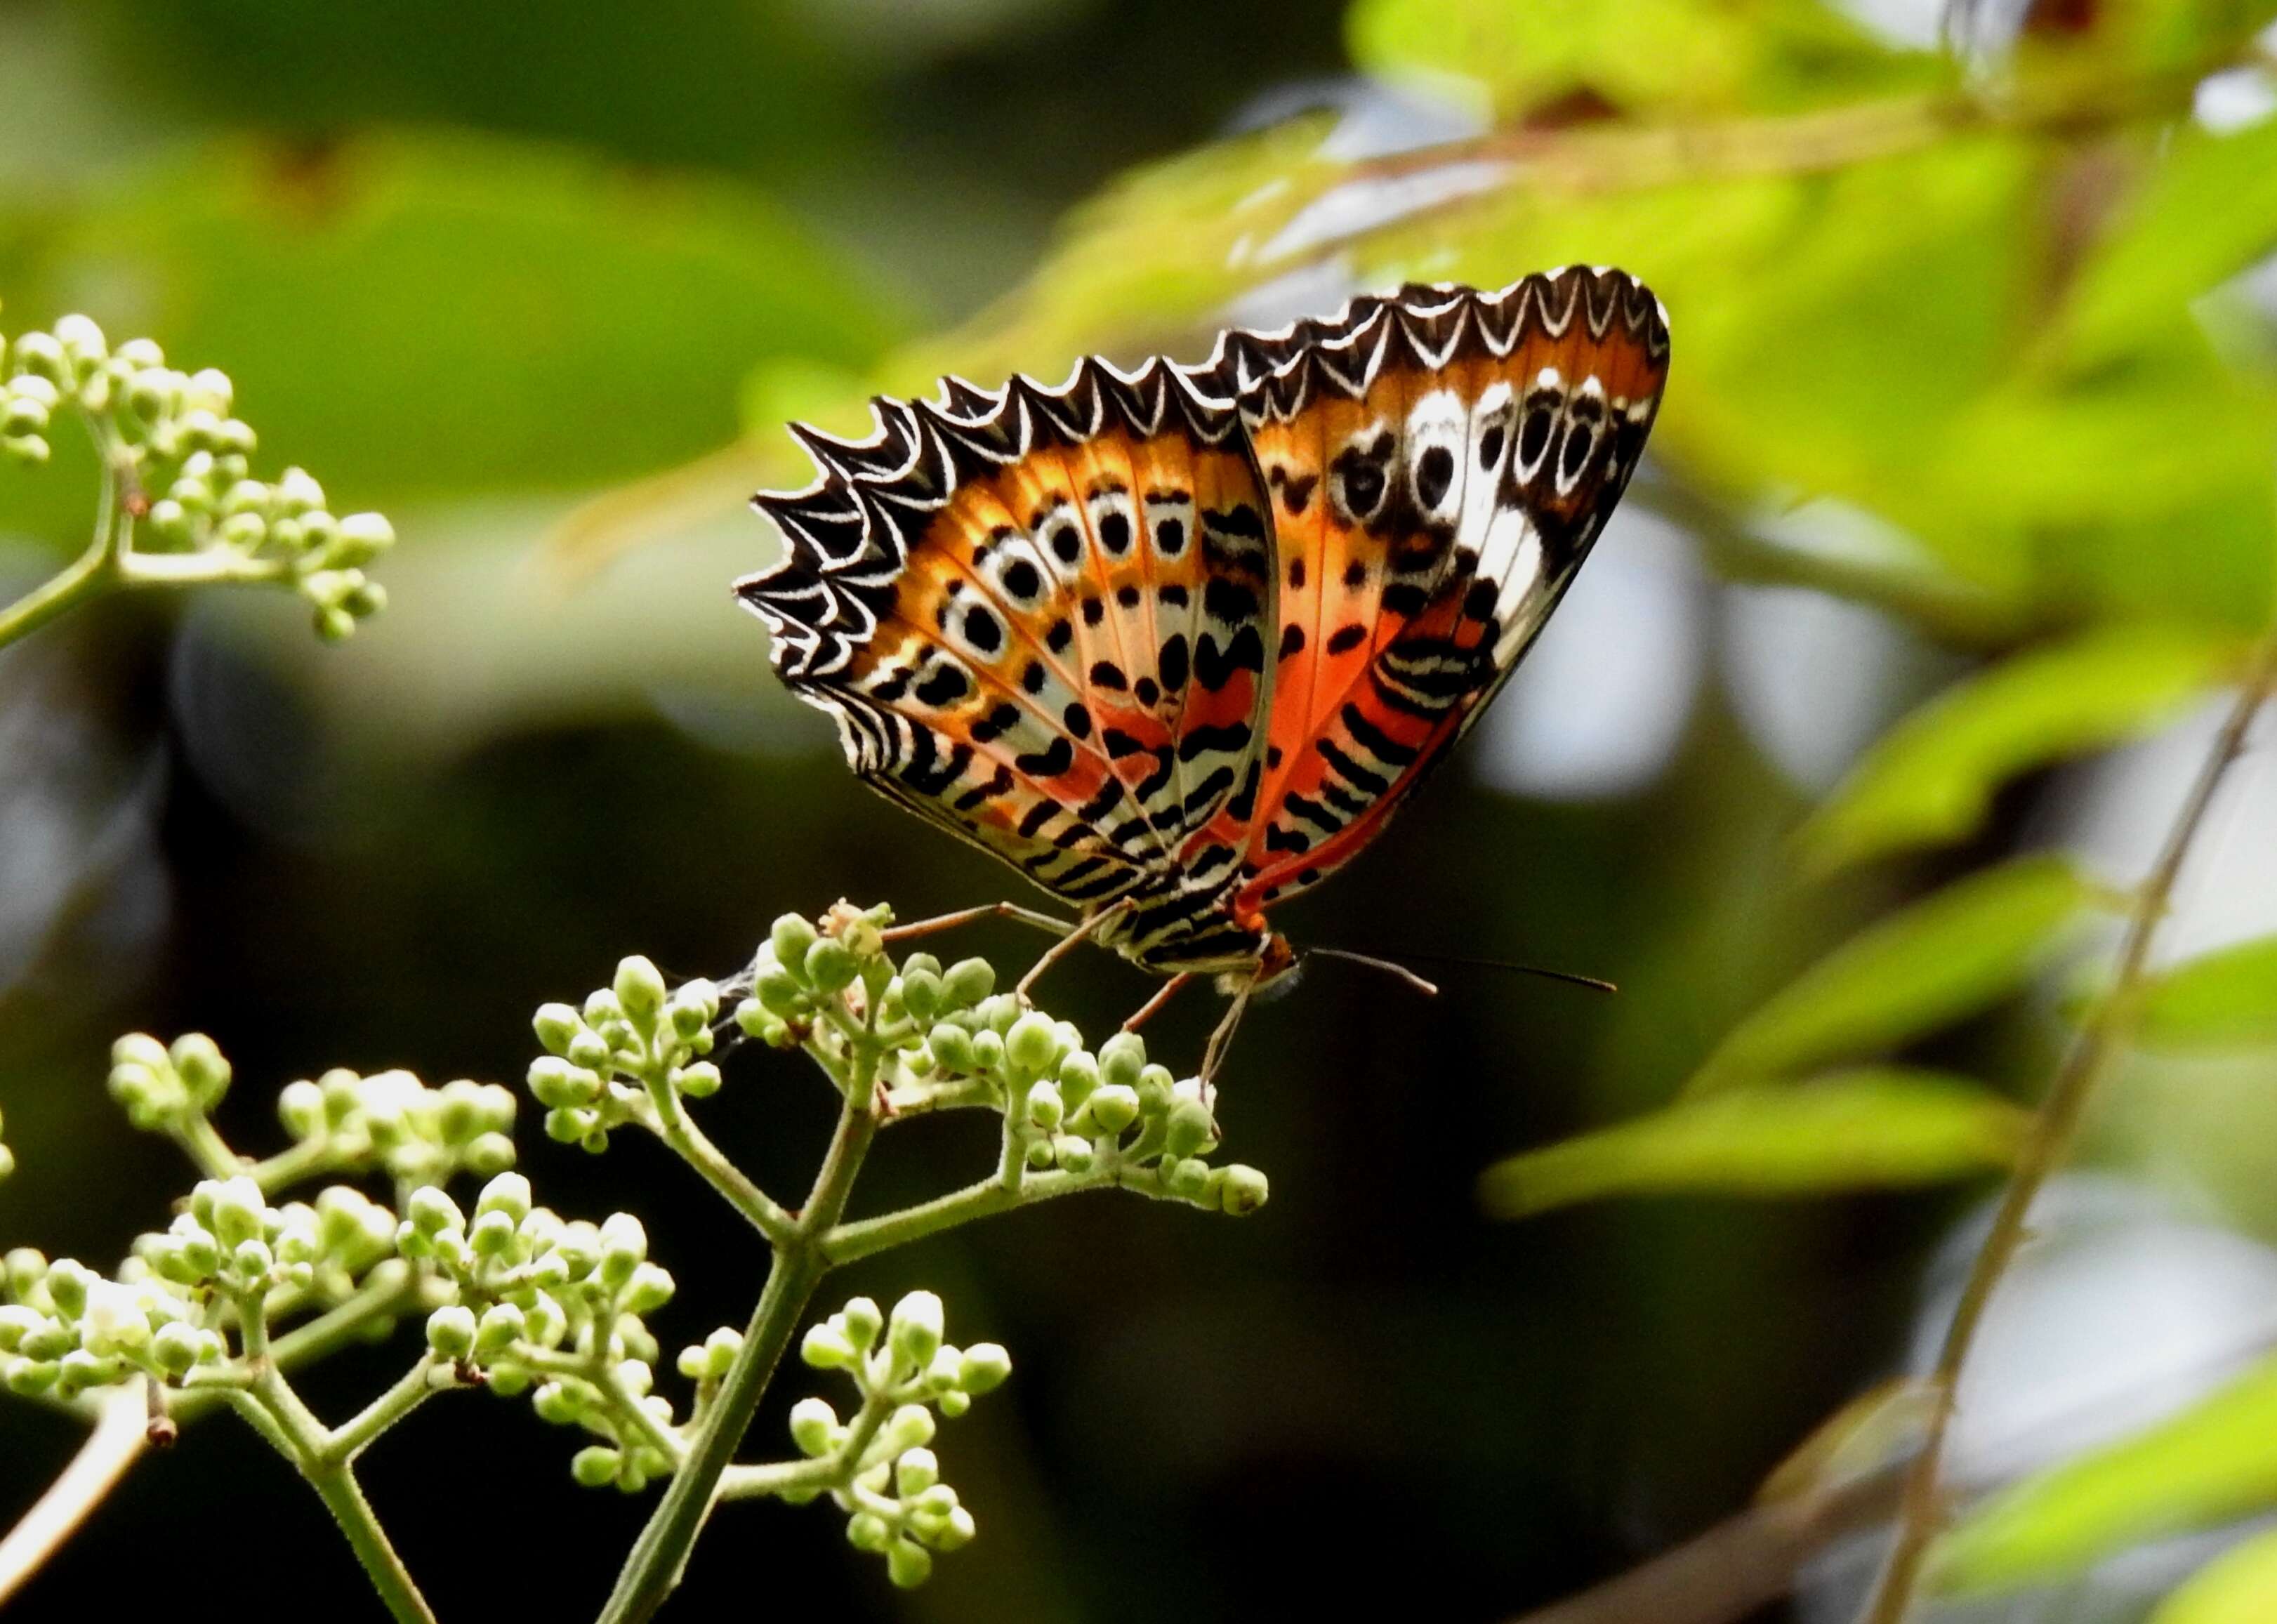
(1175, 643)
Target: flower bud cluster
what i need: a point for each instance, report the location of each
(193, 455)
(392, 1121)
(891, 1486)
(808, 967)
(634, 1048)
(1109, 1114)
(164, 1090)
(63, 1328)
(552, 1305)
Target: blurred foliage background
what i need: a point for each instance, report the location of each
(1972, 409)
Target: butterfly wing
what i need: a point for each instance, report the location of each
(1439, 463)
(1037, 616)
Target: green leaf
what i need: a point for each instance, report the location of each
(2215, 1461)
(1870, 1128)
(2225, 1000)
(1932, 778)
(2209, 211)
(1947, 956)
(2238, 1587)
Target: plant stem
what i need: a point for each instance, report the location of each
(114, 1443)
(2105, 1031)
(849, 1242)
(678, 1130)
(353, 1436)
(336, 1486)
(654, 1565)
(89, 577)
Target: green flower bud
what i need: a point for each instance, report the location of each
(430, 1211)
(1045, 1106)
(829, 966)
(907, 1564)
(812, 1423)
(952, 1050)
(921, 994)
(698, 1082)
(177, 1348)
(916, 1330)
(968, 982)
(987, 1051)
(361, 537)
(917, 1471)
(28, 1378)
(492, 1235)
(1121, 1059)
(1190, 1128)
(451, 1331)
(1156, 1089)
(651, 1287)
(1040, 1155)
(1114, 1107)
(561, 1085)
(953, 1403)
(301, 1108)
(865, 1530)
(1239, 1190)
(1074, 1153)
(238, 1209)
(202, 1069)
(567, 1126)
(910, 1426)
(1186, 1180)
(595, 1466)
(624, 1248)
(639, 986)
(1078, 1076)
(984, 1368)
(509, 1194)
(791, 936)
(998, 1013)
(41, 356)
(1033, 1044)
(957, 1532)
(589, 1051)
(556, 1024)
(252, 1259)
(826, 1347)
(501, 1327)
(488, 1153)
(861, 1321)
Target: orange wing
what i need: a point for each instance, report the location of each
(1439, 465)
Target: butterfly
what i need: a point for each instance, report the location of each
(1176, 643)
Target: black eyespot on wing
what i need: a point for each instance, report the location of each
(1032, 678)
(1490, 447)
(1172, 663)
(1022, 580)
(1146, 692)
(1170, 536)
(1066, 545)
(1049, 762)
(1355, 575)
(1107, 673)
(945, 686)
(1127, 596)
(1292, 639)
(1115, 533)
(1534, 434)
(1228, 601)
(1296, 574)
(1093, 610)
(996, 724)
(1434, 476)
(1174, 595)
(981, 629)
(1059, 637)
(1580, 438)
(1347, 638)
(1077, 717)
(1479, 602)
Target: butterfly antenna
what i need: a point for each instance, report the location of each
(1573, 978)
(1398, 971)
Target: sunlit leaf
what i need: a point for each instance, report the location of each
(1639, 54)
(2214, 1462)
(1932, 777)
(2207, 212)
(1855, 1129)
(2225, 1000)
(2238, 1587)
(1947, 956)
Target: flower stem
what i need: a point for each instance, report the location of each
(2105, 1031)
(800, 1263)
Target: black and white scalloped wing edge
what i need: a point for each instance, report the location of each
(848, 534)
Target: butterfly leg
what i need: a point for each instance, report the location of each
(1221, 1040)
(1076, 935)
(1153, 1006)
(916, 928)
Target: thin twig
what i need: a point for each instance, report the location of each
(118, 1438)
(2104, 1033)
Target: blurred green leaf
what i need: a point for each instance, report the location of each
(1947, 956)
(2237, 1587)
(1932, 778)
(435, 314)
(1851, 1130)
(2225, 1000)
(2207, 211)
(1659, 55)
(2215, 1461)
